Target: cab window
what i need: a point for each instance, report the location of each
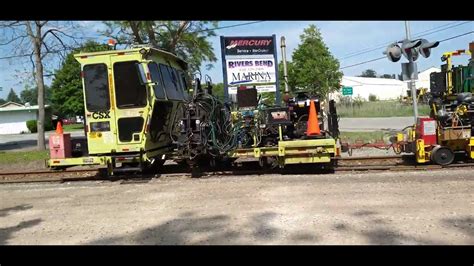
(156, 78)
(171, 83)
(96, 87)
(129, 92)
(184, 82)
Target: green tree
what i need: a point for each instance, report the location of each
(66, 88)
(13, 97)
(291, 76)
(187, 39)
(2, 101)
(30, 95)
(314, 68)
(218, 90)
(369, 73)
(386, 76)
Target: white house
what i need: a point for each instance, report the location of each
(13, 117)
(424, 77)
(384, 89)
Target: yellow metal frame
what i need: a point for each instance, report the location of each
(448, 56)
(470, 148)
(293, 151)
(90, 160)
(421, 155)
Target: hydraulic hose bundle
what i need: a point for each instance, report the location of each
(207, 127)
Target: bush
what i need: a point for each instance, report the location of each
(358, 101)
(345, 101)
(350, 102)
(372, 98)
(33, 127)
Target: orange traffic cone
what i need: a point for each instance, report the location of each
(313, 123)
(59, 128)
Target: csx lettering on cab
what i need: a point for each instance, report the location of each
(100, 115)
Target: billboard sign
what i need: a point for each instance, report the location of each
(249, 61)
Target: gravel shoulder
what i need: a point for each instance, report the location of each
(376, 208)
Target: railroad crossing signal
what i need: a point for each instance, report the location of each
(393, 52)
(425, 47)
(410, 49)
(346, 91)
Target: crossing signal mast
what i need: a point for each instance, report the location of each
(411, 50)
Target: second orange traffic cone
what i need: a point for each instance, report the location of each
(59, 128)
(313, 123)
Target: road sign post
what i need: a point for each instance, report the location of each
(348, 91)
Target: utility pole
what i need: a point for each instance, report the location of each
(411, 83)
(285, 71)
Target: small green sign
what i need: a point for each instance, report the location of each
(346, 91)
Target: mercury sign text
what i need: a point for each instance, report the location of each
(262, 45)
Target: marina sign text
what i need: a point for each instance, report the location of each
(253, 71)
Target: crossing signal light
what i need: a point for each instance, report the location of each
(409, 49)
(425, 47)
(393, 52)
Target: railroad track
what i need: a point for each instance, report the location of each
(346, 164)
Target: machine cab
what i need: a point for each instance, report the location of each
(131, 97)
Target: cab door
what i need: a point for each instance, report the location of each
(131, 102)
(99, 107)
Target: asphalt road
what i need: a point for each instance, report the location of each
(375, 123)
(28, 141)
(434, 207)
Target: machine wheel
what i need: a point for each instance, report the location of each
(442, 155)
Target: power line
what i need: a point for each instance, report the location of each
(368, 61)
(368, 48)
(217, 28)
(457, 36)
(25, 55)
(376, 59)
(442, 26)
(417, 35)
(230, 26)
(384, 44)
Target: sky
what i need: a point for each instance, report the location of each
(343, 38)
